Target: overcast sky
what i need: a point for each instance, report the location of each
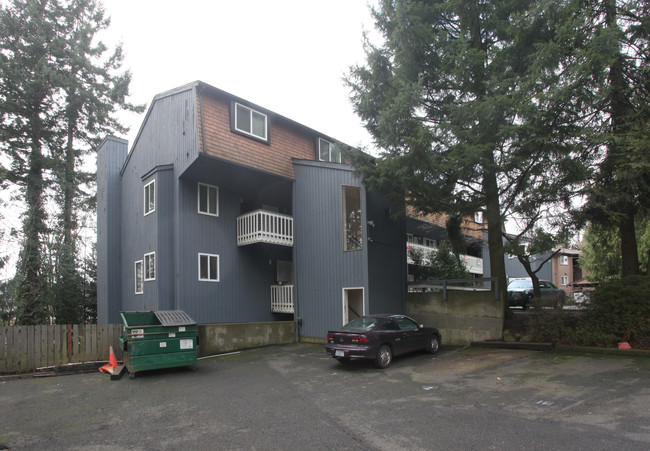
(289, 56)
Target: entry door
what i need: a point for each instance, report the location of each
(352, 304)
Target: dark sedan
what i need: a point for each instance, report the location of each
(520, 293)
(380, 337)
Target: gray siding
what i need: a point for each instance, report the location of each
(243, 292)
(167, 151)
(321, 267)
(514, 269)
(167, 141)
(111, 155)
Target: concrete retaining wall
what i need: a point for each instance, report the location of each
(465, 316)
(228, 337)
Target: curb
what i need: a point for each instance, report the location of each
(605, 351)
(561, 348)
(512, 345)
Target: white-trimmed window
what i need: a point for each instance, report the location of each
(138, 277)
(564, 259)
(564, 280)
(251, 122)
(478, 217)
(150, 197)
(150, 266)
(208, 199)
(328, 151)
(209, 267)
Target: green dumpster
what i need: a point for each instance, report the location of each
(161, 339)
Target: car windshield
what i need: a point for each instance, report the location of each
(521, 284)
(364, 323)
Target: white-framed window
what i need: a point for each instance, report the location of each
(150, 266)
(209, 267)
(251, 122)
(328, 151)
(478, 217)
(564, 259)
(138, 277)
(208, 199)
(352, 229)
(150, 197)
(564, 280)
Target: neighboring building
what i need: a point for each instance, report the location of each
(563, 269)
(566, 270)
(233, 213)
(424, 233)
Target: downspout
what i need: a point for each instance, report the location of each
(296, 309)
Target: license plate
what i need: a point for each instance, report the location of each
(339, 353)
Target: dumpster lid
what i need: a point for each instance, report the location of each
(174, 318)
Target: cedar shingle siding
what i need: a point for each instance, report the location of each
(285, 143)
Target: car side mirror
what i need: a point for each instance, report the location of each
(421, 326)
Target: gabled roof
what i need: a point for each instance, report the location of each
(207, 89)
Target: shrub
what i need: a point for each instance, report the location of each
(619, 310)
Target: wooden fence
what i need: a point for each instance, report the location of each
(26, 348)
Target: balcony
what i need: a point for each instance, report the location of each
(282, 298)
(473, 264)
(262, 226)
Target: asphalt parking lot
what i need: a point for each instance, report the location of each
(296, 397)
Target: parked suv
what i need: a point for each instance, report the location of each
(520, 293)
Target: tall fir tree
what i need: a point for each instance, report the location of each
(60, 91)
(29, 44)
(463, 99)
(94, 90)
(610, 65)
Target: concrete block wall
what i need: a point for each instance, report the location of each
(220, 338)
(465, 316)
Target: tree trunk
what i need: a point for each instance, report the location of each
(619, 109)
(495, 229)
(629, 250)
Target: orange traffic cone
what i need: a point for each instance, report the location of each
(112, 365)
(113, 359)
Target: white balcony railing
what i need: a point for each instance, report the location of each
(473, 264)
(262, 226)
(282, 298)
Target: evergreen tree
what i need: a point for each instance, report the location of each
(464, 98)
(610, 65)
(601, 252)
(440, 264)
(94, 91)
(29, 44)
(59, 91)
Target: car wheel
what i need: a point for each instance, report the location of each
(433, 345)
(384, 357)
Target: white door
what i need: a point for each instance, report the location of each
(353, 305)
